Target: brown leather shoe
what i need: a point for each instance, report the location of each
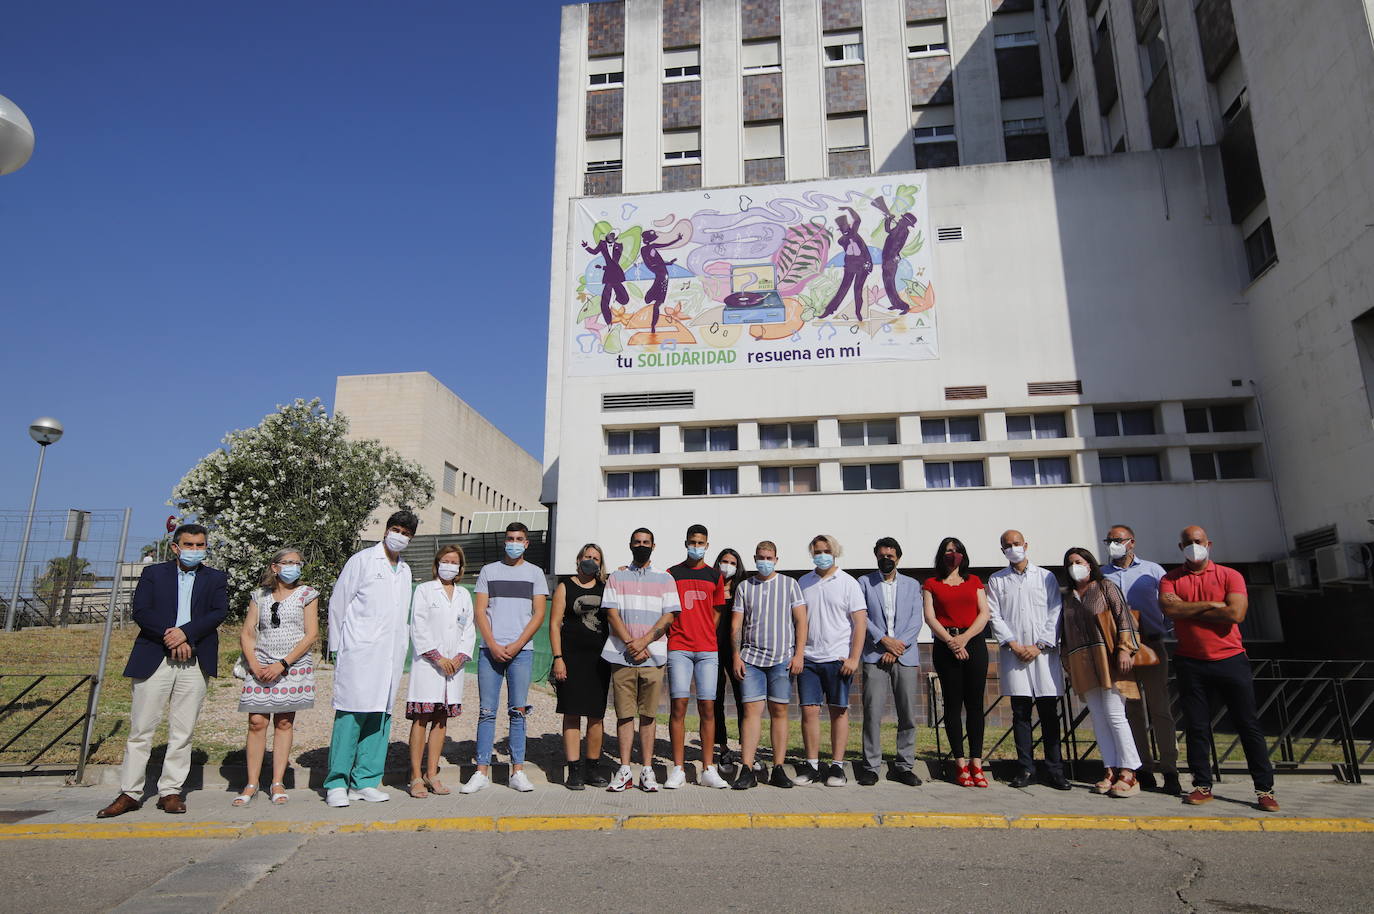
(122, 804)
(172, 803)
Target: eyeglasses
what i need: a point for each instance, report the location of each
(1119, 539)
(276, 619)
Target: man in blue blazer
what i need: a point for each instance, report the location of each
(891, 662)
(178, 607)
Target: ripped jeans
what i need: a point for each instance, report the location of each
(516, 673)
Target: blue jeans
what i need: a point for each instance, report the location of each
(684, 666)
(516, 673)
(820, 683)
(771, 682)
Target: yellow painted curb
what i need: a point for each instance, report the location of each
(941, 820)
(846, 820)
(1317, 825)
(456, 823)
(1118, 823)
(555, 823)
(782, 820)
(99, 831)
(1195, 823)
(705, 821)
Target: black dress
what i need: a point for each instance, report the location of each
(583, 635)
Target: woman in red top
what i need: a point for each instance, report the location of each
(956, 609)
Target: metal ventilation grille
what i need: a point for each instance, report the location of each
(973, 392)
(1053, 388)
(1308, 543)
(649, 399)
(950, 233)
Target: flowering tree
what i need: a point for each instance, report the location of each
(294, 480)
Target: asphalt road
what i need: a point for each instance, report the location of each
(757, 869)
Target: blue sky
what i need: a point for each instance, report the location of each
(231, 204)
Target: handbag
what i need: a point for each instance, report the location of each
(240, 669)
(1145, 656)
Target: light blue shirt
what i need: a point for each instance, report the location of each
(186, 580)
(1139, 583)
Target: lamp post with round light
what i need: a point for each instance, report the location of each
(45, 430)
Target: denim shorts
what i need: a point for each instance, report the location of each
(684, 666)
(820, 683)
(771, 682)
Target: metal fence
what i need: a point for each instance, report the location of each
(70, 566)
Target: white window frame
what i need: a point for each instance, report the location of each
(755, 69)
(868, 475)
(944, 421)
(1015, 40)
(788, 426)
(1126, 466)
(1039, 474)
(949, 466)
(658, 483)
(1024, 126)
(930, 49)
(1035, 428)
(897, 429)
(791, 484)
(846, 41)
(842, 123)
(1215, 454)
(939, 133)
(681, 70)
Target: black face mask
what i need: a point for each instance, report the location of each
(887, 565)
(588, 567)
(641, 553)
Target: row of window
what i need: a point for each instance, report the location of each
(1110, 423)
(458, 482)
(946, 474)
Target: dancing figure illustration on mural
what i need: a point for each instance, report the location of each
(898, 229)
(654, 263)
(858, 262)
(612, 274)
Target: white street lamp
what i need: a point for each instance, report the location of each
(45, 430)
(16, 137)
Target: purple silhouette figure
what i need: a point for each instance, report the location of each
(898, 228)
(653, 261)
(612, 275)
(857, 264)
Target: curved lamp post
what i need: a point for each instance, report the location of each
(16, 137)
(45, 430)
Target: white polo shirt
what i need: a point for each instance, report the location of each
(831, 602)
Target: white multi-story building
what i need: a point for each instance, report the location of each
(1149, 222)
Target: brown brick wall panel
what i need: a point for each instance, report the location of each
(682, 104)
(848, 164)
(937, 155)
(605, 28)
(605, 112)
(845, 89)
(760, 19)
(1018, 72)
(601, 182)
(765, 171)
(932, 80)
(763, 97)
(681, 23)
(842, 14)
(681, 177)
(916, 10)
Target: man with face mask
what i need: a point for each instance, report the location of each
(1138, 581)
(1208, 602)
(1024, 605)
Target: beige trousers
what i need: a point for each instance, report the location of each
(183, 684)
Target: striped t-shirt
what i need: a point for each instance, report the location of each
(641, 596)
(769, 636)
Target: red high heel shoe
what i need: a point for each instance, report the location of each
(979, 778)
(964, 779)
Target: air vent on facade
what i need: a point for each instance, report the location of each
(949, 233)
(649, 399)
(974, 392)
(1054, 388)
(1308, 543)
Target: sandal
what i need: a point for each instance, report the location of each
(979, 777)
(1105, 785)
(418, 792)
(964, 779)
(436, 786)
(278, 797)
(246, 797)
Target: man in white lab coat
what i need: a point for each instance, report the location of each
(369, 632)
(1025, 604)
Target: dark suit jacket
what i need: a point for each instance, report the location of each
(155, 611)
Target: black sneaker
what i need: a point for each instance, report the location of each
(1171, 785)
(865, 776)
(1146, 779)
(904, 776)
(779, 777)
(745, 779)
(834, 775)
(725, 758)
(807, 774)
(573, 780)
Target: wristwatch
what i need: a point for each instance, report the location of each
(557, 656)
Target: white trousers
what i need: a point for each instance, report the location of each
(1107, 710)
(183, 684)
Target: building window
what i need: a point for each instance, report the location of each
(605, 72)
(603, 154)
(787, 434)
(445, 521)
(862, 476)
(1041, 471)
(713, 438)
(682, 147)
(1227, 417)
(846, 131)
(1260, 254)
(1238, 464)
(843, 47)
(1023, 126)
(1111, 423)
(713, 481)
(639, 484)
(763, 56)
(681, 65)
(950, 428)
(450, 479)
(1015, 40)
(924, 39)
(1363, 329)
(940, 134)
(763, 140)
(868, 432)
(1130, 467)
(1037, 425)
(783, 480)
(957, 474)
(632, 441)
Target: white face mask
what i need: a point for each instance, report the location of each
(448, 571)
(1116, 550)
(727, 569)
(1015, 554)
(396, 542)
(1079, 573)
(1195, 552)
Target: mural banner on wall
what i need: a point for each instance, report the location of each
(815, 273)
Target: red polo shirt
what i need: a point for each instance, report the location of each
(1200, 640)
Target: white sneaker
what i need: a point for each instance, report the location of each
(370, 794)
(519, 782)
(676, 778)
(622, 778)
(711, 778)
(475, 783)
(337, 797)
(647, 782)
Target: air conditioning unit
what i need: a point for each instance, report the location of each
(1293, 574)
(1342, 563)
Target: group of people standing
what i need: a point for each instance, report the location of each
(700, 626)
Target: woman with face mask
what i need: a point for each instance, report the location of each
(731, 568)
(1098, 648)
(442, 638)
(277, 635)
(581, 678)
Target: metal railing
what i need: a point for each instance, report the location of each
(31, 718)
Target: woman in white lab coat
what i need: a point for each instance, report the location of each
(442, 637)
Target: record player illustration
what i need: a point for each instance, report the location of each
(753, 297)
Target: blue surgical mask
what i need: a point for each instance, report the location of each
(191, 557)
(696, 553)
(823, 560)
(290, 573)
(764, 567)
(515, 550)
